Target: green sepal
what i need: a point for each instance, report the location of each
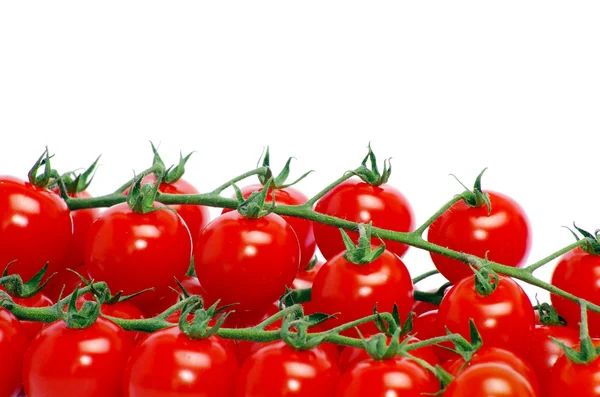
(362, 253)
(549, 315)
(311, 265)
(141, 198)
(587, 351)
(377, 345)
(592, 241)
(198, 327)
(476, 197)
(486, 280)
(294, 296)
(465, 348)
(15, 286)
(78, 182)
(191, 272)
(48, 174)
(301, 339)
(254, 207)
(104, 296)
(79, 319)
(279, 181)
(372, 176)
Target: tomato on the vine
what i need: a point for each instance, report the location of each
(503, 235)
(351, 291)
(67, 279)
(505, 318)
(302, 227)
(152, 248)
(279, 370)
(358, 201)
(35, 228)
(491, 379)
(306, 276)
(13, 343)
(169, 363)
(247, 261)
(426, 326)
(76, 362)
(31, 328)
(572, 379)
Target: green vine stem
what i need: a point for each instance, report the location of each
(306, 211)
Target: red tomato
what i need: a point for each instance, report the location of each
(427, 326)
(169, 363)
(570, 379)
(305, 278)
(196, 217)
(13, 343)
(302, 227)
(247, 261)
(578, 273)
(397, 377)
(152, 249)
(67, 279)
(504, 235)
(351, 291)
(358, 201)
(35, 228)
(423, 307)
(352, 355)
(491, 380)
(279, 370)
(161, 299)
(31, 328)
(493, 355)
(544, 352)
(76, 362)
(504, 319)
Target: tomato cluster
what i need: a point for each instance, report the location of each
(246, 260)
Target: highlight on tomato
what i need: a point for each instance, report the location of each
(13, 343)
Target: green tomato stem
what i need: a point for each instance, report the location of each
(419, 231)
(423, 276)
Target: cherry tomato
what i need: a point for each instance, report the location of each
(420, 307)
(279, 370)
(169, 363)
(196, 217)
(358, 201)
(578, 272)
(570, 379)
(504, 235)
(31, 328)
(427, 326)
(66, 279)
(396, 377)
(305, 278)
(247, 261)
(76, 362)
(35, 228)
(544, 352)
(491, 380)
(504, 319)
(302, 227)
(352, 291)
(13, 343)
(152, 249)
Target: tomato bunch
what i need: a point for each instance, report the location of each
(149, 297)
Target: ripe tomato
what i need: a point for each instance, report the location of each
(305, 278)
(427, 326)
(76, 362)
(196, 217)
(279, 370)
(35, 228)
(396, 377)
(169, 363)
(352, 291)
(13, 343)
(31, 328)
(491, 380)
(358, 201)
(544, 352)
(570, 379)
(66, 279)
(152, 249)
(247, 261)
(578, 272)
(302, 227)
(504, 319)
(504, 235)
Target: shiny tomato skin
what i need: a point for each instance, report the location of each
(302, 227)
(427, 326)
(169, 363)
(544, 352)
(66, 279)
(31, 328)
(504, 234)
(279, 370)
(570, 379)
(152, 249)
(396, 377)
(13, 343)
(352, 291)
(35, 228)
(76, 362)
(578, 272)
(357, 201)
(196, 217)
(505, 319)
(247, 261)
(491, 380)
(305, 278)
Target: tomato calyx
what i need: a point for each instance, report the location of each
(548, 315)
(362, 253)
(476, 197)
(48, 174)
(141, 197)
(301, 339)
(389, 327)
(255, 206)
(174, 173)
(15, 286)
(591, 241)
(78, 182)
(465, 348)
(79, 319)
(587, 351)
(277, 182)
(378, 348)
(486, 280)
(372, 176)
(104, 296)
(294, 296)
(199, 327)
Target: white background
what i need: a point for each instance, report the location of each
(442, 87)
